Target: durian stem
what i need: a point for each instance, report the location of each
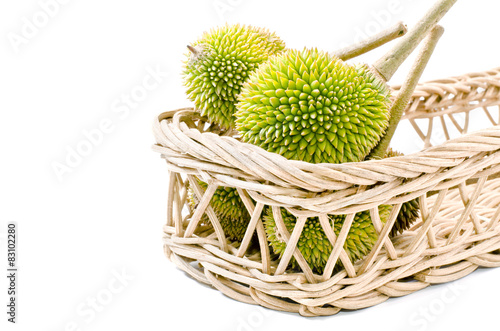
(406, 91)
(390, 62)
(379, 39)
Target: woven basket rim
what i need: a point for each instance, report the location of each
(429, 152)
(455, 80)
(453, 84)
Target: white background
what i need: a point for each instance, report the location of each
(105, 216)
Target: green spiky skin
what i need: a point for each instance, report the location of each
(229, 208)
(407, 215)
(226, 56)
(313, 243)
(410, 210)
(311, 106)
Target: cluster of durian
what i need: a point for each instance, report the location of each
(305, 105)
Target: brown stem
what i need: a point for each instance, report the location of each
(406, 91)
(379, 39)
(390, 62)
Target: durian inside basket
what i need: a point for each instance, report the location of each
(336, 208)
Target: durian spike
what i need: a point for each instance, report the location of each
(390, 62)
(406, 91)
(192, 50)
(379, 39)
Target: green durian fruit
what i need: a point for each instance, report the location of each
(313, 243)
(309, 105)
(229, 208)
(409, 210)
(219, 62)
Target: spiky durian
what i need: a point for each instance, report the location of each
(407, 215)
(229, 208)
(219, 63)
(313, 243)
(309, 105)
(409, 210)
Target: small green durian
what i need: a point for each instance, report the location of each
(410, 210)
(229, 208)
(309, 105)
(313, 243)
(218, 64)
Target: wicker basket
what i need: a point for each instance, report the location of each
(459, 195)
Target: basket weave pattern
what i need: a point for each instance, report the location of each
(457, 232)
